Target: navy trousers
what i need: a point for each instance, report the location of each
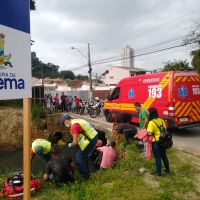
(82, 158)
(160, 154)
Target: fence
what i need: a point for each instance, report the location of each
(102, 94)
(39, 91)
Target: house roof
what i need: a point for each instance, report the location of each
(134, 69)
(78, 83)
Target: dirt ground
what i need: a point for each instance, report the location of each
(11, 128)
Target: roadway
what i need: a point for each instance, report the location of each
(187, 140)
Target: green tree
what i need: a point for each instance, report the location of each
(196, 60)
(194, 36)
(41, 69)
(32, 5)
(67, 74)
(82, 77)
(176, 65)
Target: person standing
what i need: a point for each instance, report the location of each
(66, 103)
(56, 102)
(49, 101)
(62, 98)
(70, 102)
(45, 101)
(155, 125)
(143, 119)
(76, 101)
(143, 115)
(85, 136)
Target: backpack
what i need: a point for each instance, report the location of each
(13, 186)
(165, 139)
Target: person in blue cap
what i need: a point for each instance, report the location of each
(85, 136)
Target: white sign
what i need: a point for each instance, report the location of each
(15, 50)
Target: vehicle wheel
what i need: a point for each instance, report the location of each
(93, 113)
(108, 116)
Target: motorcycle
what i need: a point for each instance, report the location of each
(95, 110)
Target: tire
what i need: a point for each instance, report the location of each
(93, 113)
(108, 116)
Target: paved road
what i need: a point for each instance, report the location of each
(186, 139)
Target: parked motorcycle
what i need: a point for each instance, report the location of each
(95, 110)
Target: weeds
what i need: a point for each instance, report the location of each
(125, 182)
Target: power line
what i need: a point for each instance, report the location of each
(142, 54)
(116, 57)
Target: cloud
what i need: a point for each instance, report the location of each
(108, 25)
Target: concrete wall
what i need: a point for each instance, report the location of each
(115, 75)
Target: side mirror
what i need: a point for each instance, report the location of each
(109, 98)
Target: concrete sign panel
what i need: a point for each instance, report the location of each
(15, 50)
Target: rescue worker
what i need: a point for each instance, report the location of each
(85, 136)
(60, 170)
(159, 152)
(42, 148)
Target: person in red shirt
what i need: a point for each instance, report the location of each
(85, 136)
(76, 100)
(56, 102)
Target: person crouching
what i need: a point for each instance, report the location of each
(60, 170)
(109, 155)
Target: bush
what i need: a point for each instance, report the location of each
(12, 103)
(39, 115)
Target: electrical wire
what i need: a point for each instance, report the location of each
(138, 55)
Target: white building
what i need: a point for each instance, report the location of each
(114, 74)
(127, 57)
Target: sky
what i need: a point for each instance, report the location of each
(109, 25)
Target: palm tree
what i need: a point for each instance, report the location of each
(196, 60)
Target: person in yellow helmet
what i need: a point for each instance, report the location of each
(85, 136)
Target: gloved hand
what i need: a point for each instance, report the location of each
(69, 145)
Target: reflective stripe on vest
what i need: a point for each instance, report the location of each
(46, 145)
(89, 131)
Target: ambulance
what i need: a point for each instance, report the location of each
(176, 95)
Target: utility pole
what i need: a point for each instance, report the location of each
(90, 70)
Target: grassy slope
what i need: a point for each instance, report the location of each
(125, 182)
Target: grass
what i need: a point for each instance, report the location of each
(125, 182)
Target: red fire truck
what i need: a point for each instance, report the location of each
(176, 95)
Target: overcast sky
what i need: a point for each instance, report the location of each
(108, 25)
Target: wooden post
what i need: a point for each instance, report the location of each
(26, 147)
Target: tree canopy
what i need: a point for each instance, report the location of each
(67, 74)
(194, 37)
(176, 65)
(41, 69)
(196, 60)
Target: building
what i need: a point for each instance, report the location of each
(114, 74)
(127, 57)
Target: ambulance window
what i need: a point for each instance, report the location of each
(115, 94)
